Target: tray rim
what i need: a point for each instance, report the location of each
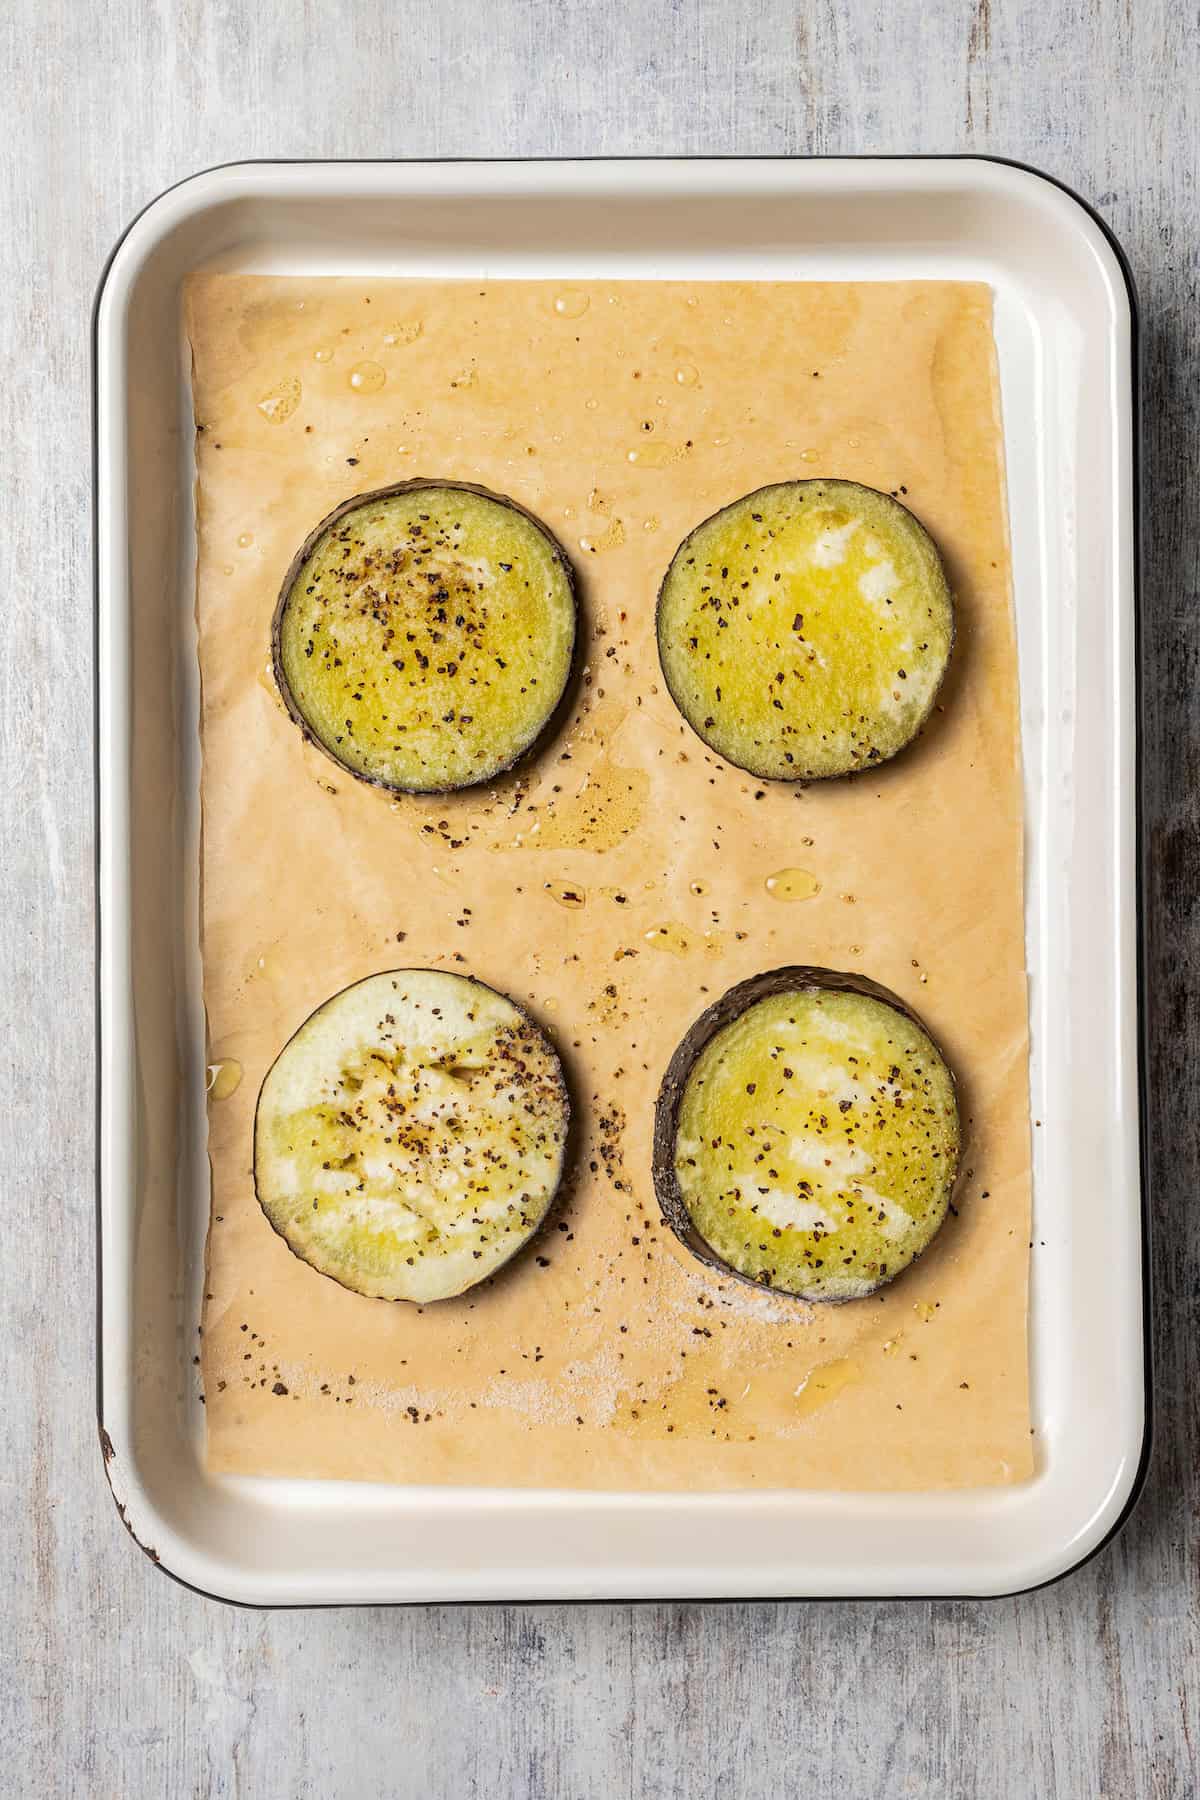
(1103, 241)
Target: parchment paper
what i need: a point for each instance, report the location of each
(621, 414)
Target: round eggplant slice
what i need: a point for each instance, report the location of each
(804, 630)
(411, 1136)
(807, 1135)
(424, 635)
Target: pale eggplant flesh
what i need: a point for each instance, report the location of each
(804, 630)
(411, 1136)
(807, 1135)
(424, 635)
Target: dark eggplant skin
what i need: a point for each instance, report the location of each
(731, 1004)
(554, 719)
(570, 1147)
(772, 487)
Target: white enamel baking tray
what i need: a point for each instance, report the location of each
(1066, 333)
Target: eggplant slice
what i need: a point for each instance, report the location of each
(804, 630)
(411, 1136)
(807, 1135)
(424, 635)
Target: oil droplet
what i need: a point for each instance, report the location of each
(810, 456)
(227, 568)
(687, 375)
(609, 805)
(651, 524)
(854, 442)
(698, 887)
(654, 456)
(565, 892)
(674, 938)
(406, 332)
(224, 1078)
(591, 405)
(367, 377)
(266, 681)
(323, 354)
(612, 535)
(245, 540)
(792, 884)
(572, 303)
(692, 300)
(281, 402)
(891, 1346)
(924, 1310)
(719, 443)
(825, 1383)
(265, 967)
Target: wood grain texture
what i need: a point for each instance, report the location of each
(117, 1682)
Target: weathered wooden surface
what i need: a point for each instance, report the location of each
(114, 1680)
